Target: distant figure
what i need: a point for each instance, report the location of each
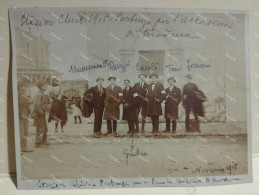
(58, 112)
(76, 110)
(173, 99)
(98, 96)
(155, 96)
(129, 112)
(40, 103)
(192, 101)
(140, 91)
(23, 105)
(112, 103)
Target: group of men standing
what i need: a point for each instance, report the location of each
(141, 98)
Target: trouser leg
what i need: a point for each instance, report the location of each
(187, 118)
(45, 130)
(100, 119)
(96, 120)
(114, 128)
(174, 125)
(79, 118)
(167, 124)
(156, 123)
(136, 119)
(109, 126)
(22, 133)
(56, 126)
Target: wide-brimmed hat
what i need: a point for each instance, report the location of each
(127, 80)
(99, 78)
(143, 75)
(171, 78)
(153, 74)
(112, 77)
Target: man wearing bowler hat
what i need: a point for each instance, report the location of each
(113, 99)
(155, 96)
(140, 91)
(173, 99)
(98, 94)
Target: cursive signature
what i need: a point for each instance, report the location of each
(132, 152)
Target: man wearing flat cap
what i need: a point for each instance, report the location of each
(113, 99)
(40, 102)
(173, 99)
(155, 96)
(140, 91)
(98, 96)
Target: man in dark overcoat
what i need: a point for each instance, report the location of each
(113, 99)
(140, 91)
(98, 94)
(155, 96)
(173, 99)
(191, 102)
(129, 113)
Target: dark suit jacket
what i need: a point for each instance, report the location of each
(141, 91)
(128, 105)
(112, 103)
(98, 98)
(155, 98)
(191, 98)
(172, 101)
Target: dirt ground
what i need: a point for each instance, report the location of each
(73, 154)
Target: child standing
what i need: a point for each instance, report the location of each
(76, 110)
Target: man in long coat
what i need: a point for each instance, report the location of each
(140, 91)
(128, 103)
(155, 96)
(192, 102)
(112, 103)
(98, 94)
(173, 99)
(40, 102)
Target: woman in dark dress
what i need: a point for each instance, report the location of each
(58, 112)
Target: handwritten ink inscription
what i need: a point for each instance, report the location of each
(133, 152)
(227, 169)
(124, 65)
(138, 25)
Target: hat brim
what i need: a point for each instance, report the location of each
(153, 75)
(143, 75)
(112, 78)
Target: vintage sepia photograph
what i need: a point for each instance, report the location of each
(116, 97)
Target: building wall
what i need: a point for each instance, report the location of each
(224, 83)
(32, 51)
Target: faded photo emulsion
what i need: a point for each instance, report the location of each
(130, 97)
